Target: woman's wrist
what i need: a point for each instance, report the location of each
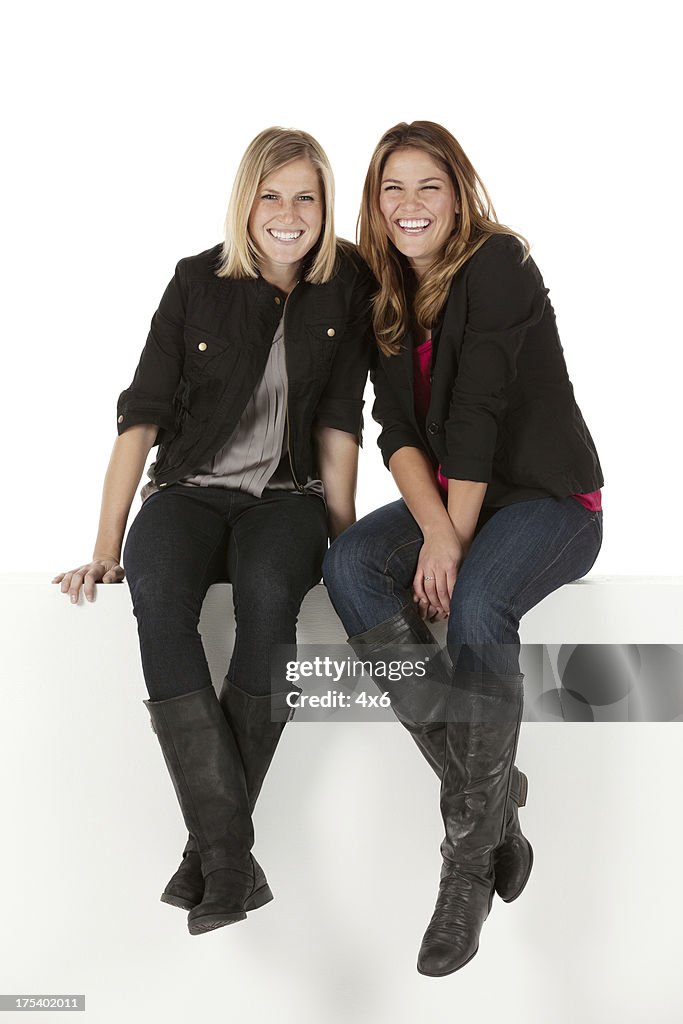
(439, 524)
(106, 553)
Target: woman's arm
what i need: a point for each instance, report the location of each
(443, 549)
(337, 454)
(465, 498)
(123, 474)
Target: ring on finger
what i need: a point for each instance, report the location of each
(428, 579)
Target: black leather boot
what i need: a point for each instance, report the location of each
(419, 713)
(481, 739)
(514, 858)
(256, 724)
(208, 777)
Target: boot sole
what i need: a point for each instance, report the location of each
(256, 900)
(212, 921)
(178, 901)
(511, 899)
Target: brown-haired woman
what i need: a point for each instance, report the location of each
(251, 383)
(501, 504)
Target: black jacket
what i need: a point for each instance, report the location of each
(208, 346)
(502, 407)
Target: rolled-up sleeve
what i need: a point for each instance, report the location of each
(149, 399)
(397, 430)
(505, 297)
(341, 403)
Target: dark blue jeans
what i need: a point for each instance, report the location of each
(182, 540)
(519, 555)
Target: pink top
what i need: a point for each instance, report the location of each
(422, 390)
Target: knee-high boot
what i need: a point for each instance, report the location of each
(208, 777)
(417, 704)
(481, 740)
(256, 723)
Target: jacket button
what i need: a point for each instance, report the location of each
(331, 332)
(278, 300)
(120, 419)
(433, 428)
(202, 346)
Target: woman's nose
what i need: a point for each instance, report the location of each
(287, 212)
(411, 201)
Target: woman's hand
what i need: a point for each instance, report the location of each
(105, 570)
(441, 556)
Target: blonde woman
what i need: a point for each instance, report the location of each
(501, 504)
(251, 384)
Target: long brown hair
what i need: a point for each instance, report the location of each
(475, 222)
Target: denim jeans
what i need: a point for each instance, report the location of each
(183, 540)
(519, 555)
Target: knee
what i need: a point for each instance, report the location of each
(478, 617)
(165, 609)
(343, 562)
(268, 602)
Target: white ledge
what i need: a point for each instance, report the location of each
(594, 610)
(347, 829)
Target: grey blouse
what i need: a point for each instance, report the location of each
(255, 455)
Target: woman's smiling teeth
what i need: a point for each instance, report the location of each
(413, 227)
(285, 236)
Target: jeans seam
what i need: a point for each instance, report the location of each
(394, 551)
(531, 583)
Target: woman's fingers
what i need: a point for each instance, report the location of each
(436, 590)
(115, 575)
(87, 576)
(91, 577)
(75, 582)
(437, 569)
(435, 614)
(418, 588)
(443, 597)
(430, 590)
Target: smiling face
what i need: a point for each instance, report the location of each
(286, 219)
(418, 205)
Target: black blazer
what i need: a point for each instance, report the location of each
(502, 407)
(207, 350)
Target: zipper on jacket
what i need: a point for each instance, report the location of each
(298, 486)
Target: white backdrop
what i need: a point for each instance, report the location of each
(122, 135)
(122, 130)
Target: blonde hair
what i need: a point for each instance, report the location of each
(474, 223)
(270, 150)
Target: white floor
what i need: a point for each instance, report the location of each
(348, 831)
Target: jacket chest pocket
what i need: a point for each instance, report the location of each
(324, 338)
(203, 352)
